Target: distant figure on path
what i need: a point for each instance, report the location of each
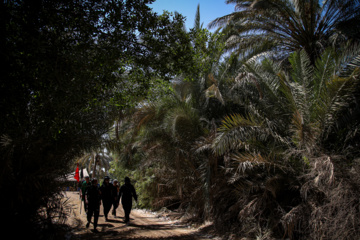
(85, 184)
(116, 190)
(107, 191)
(127, 192)
(93, 200)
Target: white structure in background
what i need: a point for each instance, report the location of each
(70, 176)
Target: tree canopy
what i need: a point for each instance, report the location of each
(257, 146)
(276, 28)
(66, 63)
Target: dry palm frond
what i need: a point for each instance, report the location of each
(7, 149)
(234, 132)
(144, 115)
(246, 161)
(322, 177)
(213, 91)
(5, 140)
(248, 209)
(291, 220)
(325, 171)
(338, 217)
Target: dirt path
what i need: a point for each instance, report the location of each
(143, 225)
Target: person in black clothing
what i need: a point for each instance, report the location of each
(127, 192)
(84, 185)
(93, 200)
(116, 196)
(107, 196)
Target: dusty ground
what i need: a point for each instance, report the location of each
(143, 225)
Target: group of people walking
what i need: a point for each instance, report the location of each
(109, 194)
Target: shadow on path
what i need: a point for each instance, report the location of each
(142, 226)
(125, 232)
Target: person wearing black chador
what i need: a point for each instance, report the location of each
(93, 201)
(127, 192)
(116, 190)
(107, 197)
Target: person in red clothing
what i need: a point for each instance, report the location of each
(127, 193)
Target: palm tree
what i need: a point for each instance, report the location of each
(291, 117)
(96, 162)
(296, 110)
(168, 133)
(276, 28)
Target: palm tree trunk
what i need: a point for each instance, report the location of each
(178, 173)
(207, 187)
(95, 162)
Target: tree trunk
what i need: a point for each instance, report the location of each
(178, 174)
(96, 160)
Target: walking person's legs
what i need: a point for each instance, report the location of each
(107, 207)
(89, 215)
(115, 205)
(85, 207)
(96, 218)
(127, 210)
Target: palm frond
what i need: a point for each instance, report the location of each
(197, 25)
(234, 132)
(289, 26)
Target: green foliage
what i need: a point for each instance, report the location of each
(161, 132)
(250, 142)
(291, 118)
(244, 140)
(276, 28)
(208, 49)
(144, 181)
(245, 146)
(168, 47)
(69, 66)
